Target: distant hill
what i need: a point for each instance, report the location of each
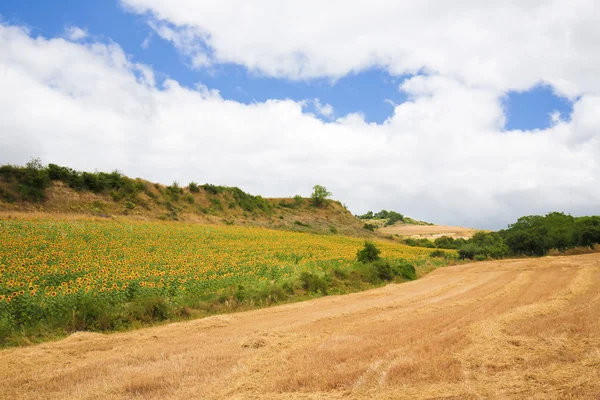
(57, 189)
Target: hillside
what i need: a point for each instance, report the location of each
(61, 190)
(427, 231)
(511, 329)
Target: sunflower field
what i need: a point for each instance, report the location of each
(55, 271)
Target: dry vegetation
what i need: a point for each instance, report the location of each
(518, 329)
(428, 231)
(199, 207)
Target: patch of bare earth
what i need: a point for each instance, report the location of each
(515, 329)
(428, 231)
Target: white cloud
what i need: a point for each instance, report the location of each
(75, 33)
(146, 43)
(325, 110)
(511, 44)
(442, 156)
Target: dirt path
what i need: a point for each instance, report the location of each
(511, 329)
(428, 231)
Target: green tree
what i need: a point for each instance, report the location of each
(319, 195)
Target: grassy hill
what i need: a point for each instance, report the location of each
(57, 189)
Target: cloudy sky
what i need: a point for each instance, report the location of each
(462, 112)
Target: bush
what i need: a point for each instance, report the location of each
(370, 227)
(149, 309)
(420, 243)
(437, 254)
(406, 271)
(90, 314)
(368, 215)
(174, 191)
(368, 253)
(193, 187)
(384, 270)
(394, 217)
(468, 251)
(7, 196)
(313, 283)
(445, 242)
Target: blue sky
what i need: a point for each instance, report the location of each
(371, 92)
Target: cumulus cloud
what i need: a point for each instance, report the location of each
(442, 155)
(511, 44)
(75, 33)
(325, 110)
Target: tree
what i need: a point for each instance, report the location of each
(320, 195)
(368, 215)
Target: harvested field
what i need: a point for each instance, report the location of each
(428, 231)
(527, 328)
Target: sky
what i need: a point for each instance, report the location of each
(466, 113)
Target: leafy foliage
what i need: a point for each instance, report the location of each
(368, 253)
(193, 187)
(370, 227)
(533, 235)
(29, 183)
(391, 216)
(320, 195)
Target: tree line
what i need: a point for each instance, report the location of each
(533, 235)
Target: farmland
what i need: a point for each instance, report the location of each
(61, 275)
(510, 329)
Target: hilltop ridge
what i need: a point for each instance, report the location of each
(62, 190)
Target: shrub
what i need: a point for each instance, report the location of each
(384, 270)
(7, 196)
(193, 187)
(437, 254)
(445, 242)
(368, 215)
(90, 314)
(469, 251)
(420, 243)
(212, 189)
(174, 191)
(216, 203)
(149, 309)
(394, 217)
(313, 282)
(368, 253)
(406, 271)
(370, 227)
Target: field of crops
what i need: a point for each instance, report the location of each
(50, 267)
